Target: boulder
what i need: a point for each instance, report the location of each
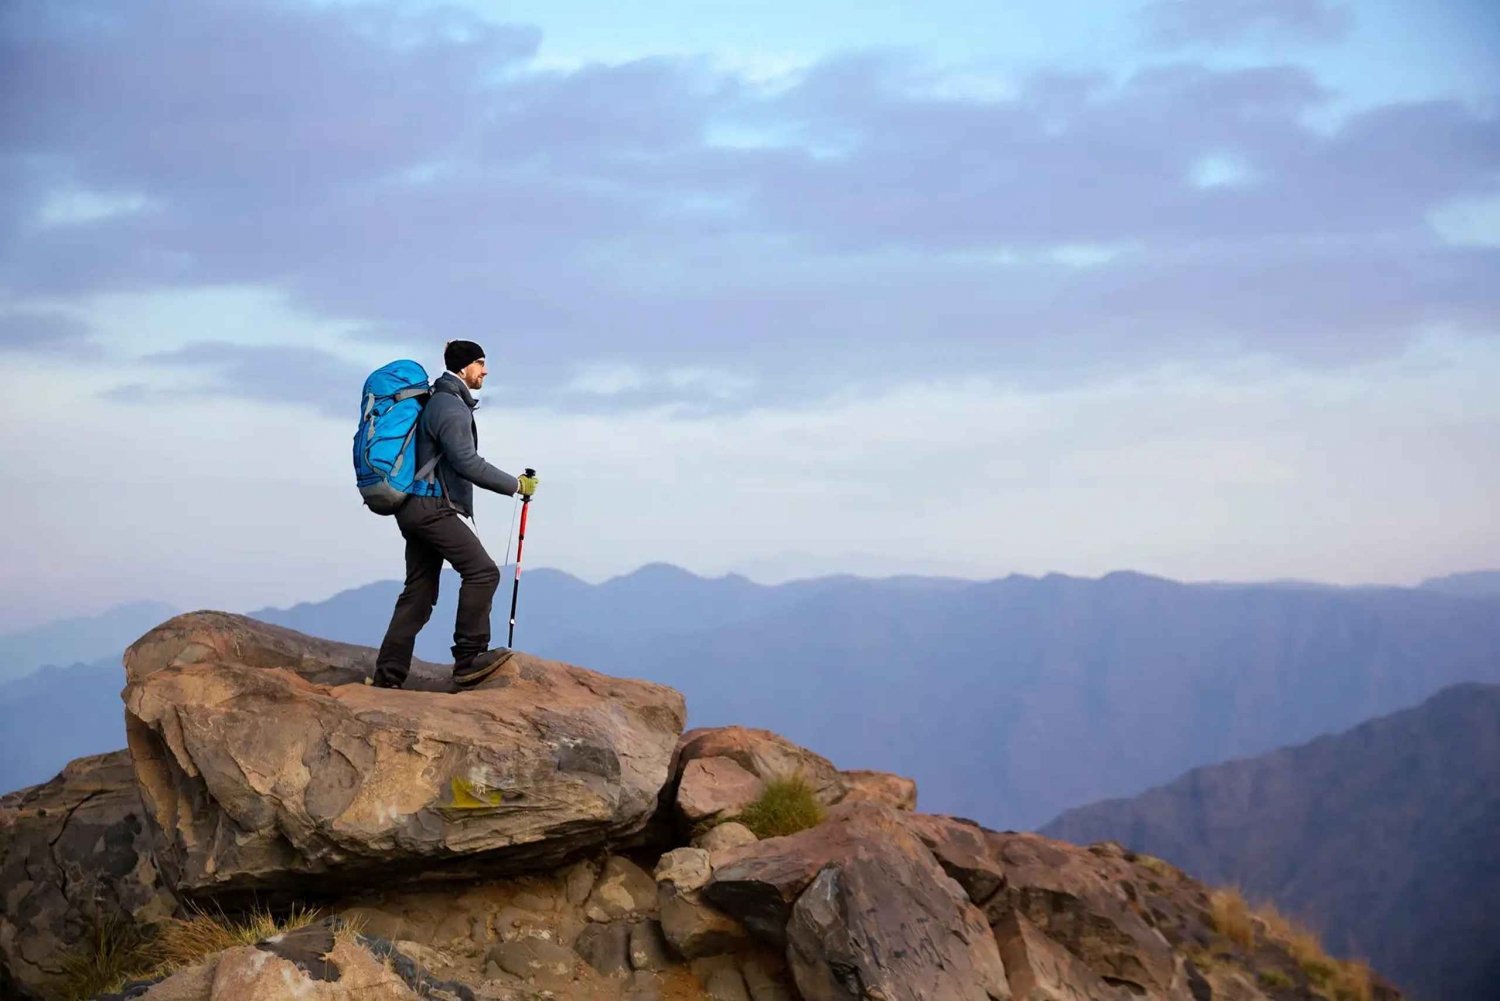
(605, 947)
(261, 768)
(880, 788)
(724, 837)
(887, 923)
(1078, 899)
(714, 788)
(693, 927)
(1041, 970)
(648, 946)
(765, 755)
(759, 883)
(685, 868)
(75, 858)
(963, 849)
(623, 889)
(863, 910)
(542, 964)
(766, 978)
(721, 979)
(578, 881)
(721, 770)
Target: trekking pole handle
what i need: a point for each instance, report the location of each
(515, 589)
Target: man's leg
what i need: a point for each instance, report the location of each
(476, 595)
(454, 540)
(424, 565)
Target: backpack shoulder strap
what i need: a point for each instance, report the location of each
(428, 467)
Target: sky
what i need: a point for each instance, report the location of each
(1201, 288)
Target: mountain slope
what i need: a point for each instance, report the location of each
(1476, 583)
(56, 714)
(1010, 700)
(1386, 837)
(85, 638)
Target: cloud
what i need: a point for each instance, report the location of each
(301, 377)
(687, 390)
(424, 178)
(41, 332)
(1385, 470)
(1174, 23)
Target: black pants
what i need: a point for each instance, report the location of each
(434, 532)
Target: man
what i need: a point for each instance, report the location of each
(442, 528)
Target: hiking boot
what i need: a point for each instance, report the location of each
(481, 667)
(382, 683)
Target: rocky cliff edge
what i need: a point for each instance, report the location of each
(553, 834)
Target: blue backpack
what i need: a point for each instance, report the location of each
(385, 446)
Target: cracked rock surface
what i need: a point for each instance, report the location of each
(74, 856)
(265, 762)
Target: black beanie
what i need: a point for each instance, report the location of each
(461, 354)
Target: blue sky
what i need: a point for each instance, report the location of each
(1205, 288)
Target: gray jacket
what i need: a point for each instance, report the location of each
(448, 429)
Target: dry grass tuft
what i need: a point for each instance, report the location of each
(116, 953)
(112, 953)
(1231, 916)
(1353, 982)
(348, 928)
(1329, 978)
(1156, 866)
(1275, 980)
(785, 806)
(1302, 942)
(185, 941)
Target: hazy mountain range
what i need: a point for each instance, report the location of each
(1008, 700)
(1386, 838)
(81, 638)
(1477, 583)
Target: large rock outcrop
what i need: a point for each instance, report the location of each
(75, 862)
(265, 762)
(877, 902)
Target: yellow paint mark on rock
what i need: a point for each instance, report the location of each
(467, 795)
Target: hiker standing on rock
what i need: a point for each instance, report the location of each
(442, 528)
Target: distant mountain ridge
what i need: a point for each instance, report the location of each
(79, 638)
(1476, 583)
(1008, 700)
(1385, 837)
(56, 714)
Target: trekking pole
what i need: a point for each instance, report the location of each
(515, 590)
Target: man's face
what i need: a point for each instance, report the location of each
(473, 374)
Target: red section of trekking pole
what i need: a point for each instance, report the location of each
(515, 590)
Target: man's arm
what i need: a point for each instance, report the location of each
(451, 426)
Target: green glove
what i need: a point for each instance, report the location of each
(526, 485)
